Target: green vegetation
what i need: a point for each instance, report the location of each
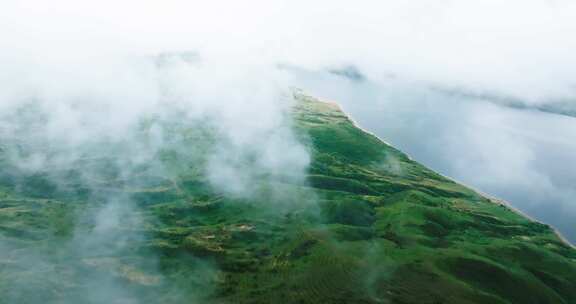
(369, 226)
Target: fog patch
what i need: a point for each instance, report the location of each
(98, 131)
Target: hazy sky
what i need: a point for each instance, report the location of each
(519, 48)
(523, 47)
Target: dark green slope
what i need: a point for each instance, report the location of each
(368, 226)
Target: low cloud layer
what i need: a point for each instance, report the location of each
(104, 127)
(523, 48)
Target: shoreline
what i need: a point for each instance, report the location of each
(479, 192)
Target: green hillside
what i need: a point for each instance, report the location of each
(368, 225)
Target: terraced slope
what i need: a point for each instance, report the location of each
(368, 226)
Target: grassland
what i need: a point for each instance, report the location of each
(368, 226)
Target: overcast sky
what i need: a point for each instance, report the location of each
(523, 49)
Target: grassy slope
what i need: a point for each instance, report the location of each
(371, 226)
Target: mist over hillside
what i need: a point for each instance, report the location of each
(82, 157)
